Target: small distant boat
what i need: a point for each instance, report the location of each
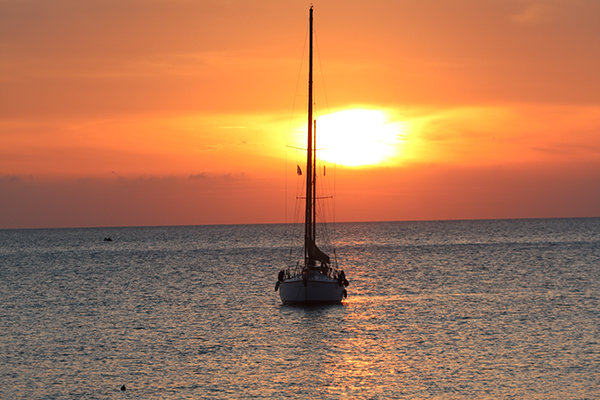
(107, 239)
(314, 280)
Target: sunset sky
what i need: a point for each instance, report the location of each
(182, 112)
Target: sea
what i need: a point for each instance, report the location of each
(485, 309)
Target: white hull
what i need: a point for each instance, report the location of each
(312, 291)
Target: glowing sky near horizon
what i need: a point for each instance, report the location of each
(179, 112)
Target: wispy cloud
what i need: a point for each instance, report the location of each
(538, 12)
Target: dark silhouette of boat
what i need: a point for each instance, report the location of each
(314, 279)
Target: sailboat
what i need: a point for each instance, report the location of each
(313, 280)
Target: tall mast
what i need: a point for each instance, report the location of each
(309, 239)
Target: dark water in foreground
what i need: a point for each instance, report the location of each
(436, 310)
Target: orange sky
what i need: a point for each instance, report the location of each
(120, 113)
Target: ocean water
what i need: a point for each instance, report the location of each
(435, 310)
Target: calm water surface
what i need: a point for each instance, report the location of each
(436, 310)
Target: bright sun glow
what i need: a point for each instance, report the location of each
(358, 137)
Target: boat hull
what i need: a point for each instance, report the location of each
(310, 291)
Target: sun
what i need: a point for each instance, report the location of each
(359, 137)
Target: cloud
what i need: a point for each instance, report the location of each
(202, 175)
(438, 192)
(537, 13)
(199, 199)
(507, 134)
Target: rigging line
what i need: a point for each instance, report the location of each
(285, 210)
(295, 148)
(321, 69)
(297, 83)
(326, 208)
(328, 111)
(334, 199)
(304, 148)
(290, 123)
